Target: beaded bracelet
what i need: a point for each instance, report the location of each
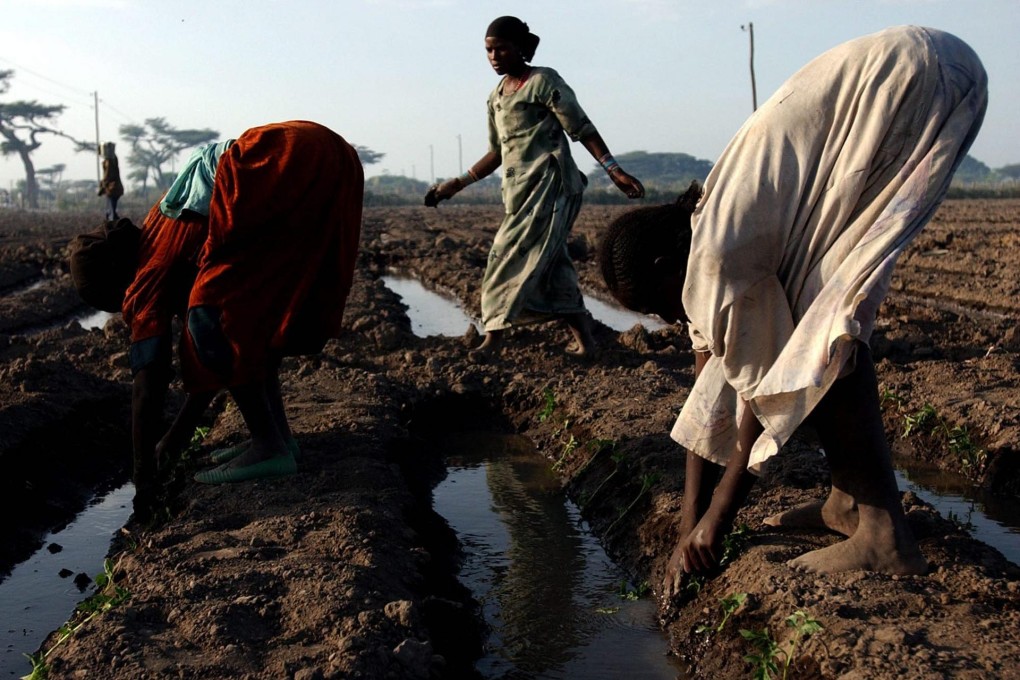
(608, 163)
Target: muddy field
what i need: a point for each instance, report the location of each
(344, 571)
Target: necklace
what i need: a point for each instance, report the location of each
(518, 84)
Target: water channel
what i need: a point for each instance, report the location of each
(42, 592)
(556, 605)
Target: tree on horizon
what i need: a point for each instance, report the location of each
(21, 124)
(155, 144)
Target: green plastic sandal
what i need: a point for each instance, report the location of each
(278, 466)
(220, 456)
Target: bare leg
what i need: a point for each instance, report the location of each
(849, 422)
(275, 398)
(263, 418)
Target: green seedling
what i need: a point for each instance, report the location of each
(568, 449)
(763, 660)
(767, 650)
(618, 457)
(889, 397)
(633, 593)
(729, 604)
(596, 446)
(107, 596)
(647, 481)
(919, 421)
(733, 543)
(549, 406)
(965, 525)
(972, 457)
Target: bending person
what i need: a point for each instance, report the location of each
(780, 272)
(529, 276)
(253, 248)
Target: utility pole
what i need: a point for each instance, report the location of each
(754, 88)
(432, 164)
(460, 157)
(99, 149)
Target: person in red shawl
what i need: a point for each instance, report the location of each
(253, 248)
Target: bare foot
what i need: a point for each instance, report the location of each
(489, 348)
(576, 349)
(837, 513)
(858, 553)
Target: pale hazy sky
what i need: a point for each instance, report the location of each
(408, 77)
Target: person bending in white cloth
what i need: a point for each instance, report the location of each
(782, 267)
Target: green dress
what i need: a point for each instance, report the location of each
(529, 276)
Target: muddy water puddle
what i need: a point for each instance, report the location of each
(93, 319)
(430, 313)
(557, 607)
(42, 592)
(433, 313)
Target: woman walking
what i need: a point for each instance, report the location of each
(532, 111)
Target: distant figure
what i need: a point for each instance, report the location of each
(253, 249)
(110, 186)
(530, 276)
(780, 272)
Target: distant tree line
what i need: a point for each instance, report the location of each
(155, 145)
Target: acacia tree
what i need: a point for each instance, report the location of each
(367, 156)
(21, 125)
(155, 144)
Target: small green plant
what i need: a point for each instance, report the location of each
(597, 447)
(549, 405)
(568, 448)
(729, 604)
(763, 659)
(962, 524)
(887, 396)
(107, 596)
(767, 650)
(733, 543)
(972, 457)
(618, 457)
(627, 592)
(647, 481)
(919, 421)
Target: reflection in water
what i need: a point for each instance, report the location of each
(41, 593)
(620, 318)
(994, 518)
(434, 314)
(547, 589)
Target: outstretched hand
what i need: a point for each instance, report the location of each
(627, 184)
(441, 192)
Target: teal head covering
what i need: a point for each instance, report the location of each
(192, 190)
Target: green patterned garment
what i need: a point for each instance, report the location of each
(529, 276)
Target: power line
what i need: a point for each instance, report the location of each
(73, 88)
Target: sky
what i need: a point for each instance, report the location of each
(409, 78)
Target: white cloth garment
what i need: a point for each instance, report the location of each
(803, 218)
